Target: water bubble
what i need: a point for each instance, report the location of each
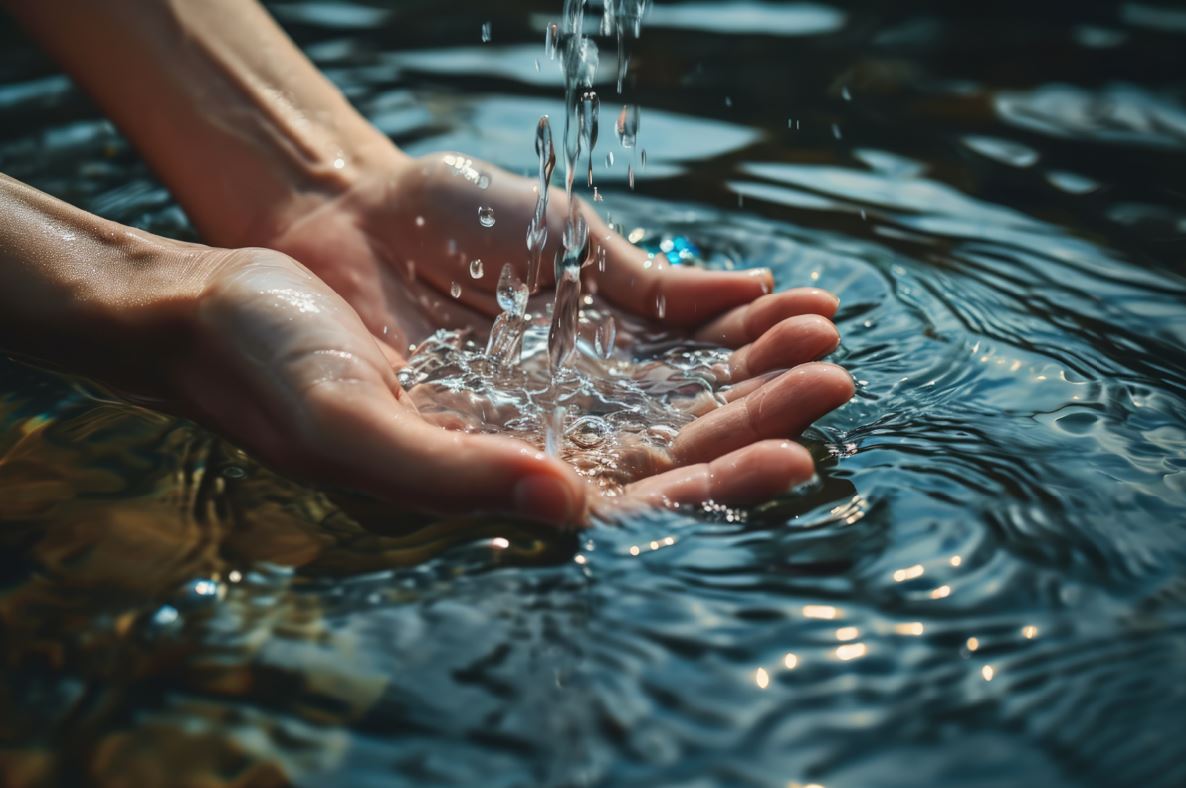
(728, 101)
(419, 221)
(486, 29)
(486, 216)
(475, 269)
(484, 181)
(455, 290)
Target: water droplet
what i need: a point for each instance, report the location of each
(419, 221)
(339, 163)
(484, 181)
(455, 290)
(537, 64)
(511, 293)
(728, 101)
(609, 159)
(486, 216)
(836, 131)
(607, 333)
(627, 125)
(642, 157)
(486, 29)
(601, 259)
(630, 175)
(845, 93)
(475, 269)
(597, 195)
(552, 40)
(661, 306)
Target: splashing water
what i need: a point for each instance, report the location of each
(605, 413)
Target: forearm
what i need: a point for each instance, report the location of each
(84, 294)
(242, 128)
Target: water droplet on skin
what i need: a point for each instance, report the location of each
(661, 306)
(486, 30)
(601, 259)
(455, 290)
(486, 216)
(339, 163)
(475, 269)
(419, 221)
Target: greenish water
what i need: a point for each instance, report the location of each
(988, 589)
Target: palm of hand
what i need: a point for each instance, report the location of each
(391, 251)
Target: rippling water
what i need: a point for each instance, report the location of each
(989, 588)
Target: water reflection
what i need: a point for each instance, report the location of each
(984, 587)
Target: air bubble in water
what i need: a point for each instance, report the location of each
(475, 269)
(455, 290)
(486, 216)
(484, 181)
(486, 28)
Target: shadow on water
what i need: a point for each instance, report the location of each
(985, 588)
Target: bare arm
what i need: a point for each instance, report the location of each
(242, 128)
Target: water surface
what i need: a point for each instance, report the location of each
(989, 587)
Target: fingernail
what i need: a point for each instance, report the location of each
(546, 498)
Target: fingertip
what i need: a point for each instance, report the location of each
(830, 380)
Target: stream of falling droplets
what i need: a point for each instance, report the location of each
(559, 383)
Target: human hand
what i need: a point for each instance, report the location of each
(403, 237)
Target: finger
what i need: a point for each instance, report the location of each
(370, 443)
(749, 475)
(748, 322)
(787, 344)
(782, 408)
(674, 296)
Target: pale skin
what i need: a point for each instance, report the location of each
(335, 251)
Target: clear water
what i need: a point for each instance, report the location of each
(988, 588)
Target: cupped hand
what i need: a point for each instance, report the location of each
(397, 246)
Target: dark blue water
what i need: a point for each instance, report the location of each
(989, 587)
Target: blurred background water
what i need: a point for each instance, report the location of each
(989, 587)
